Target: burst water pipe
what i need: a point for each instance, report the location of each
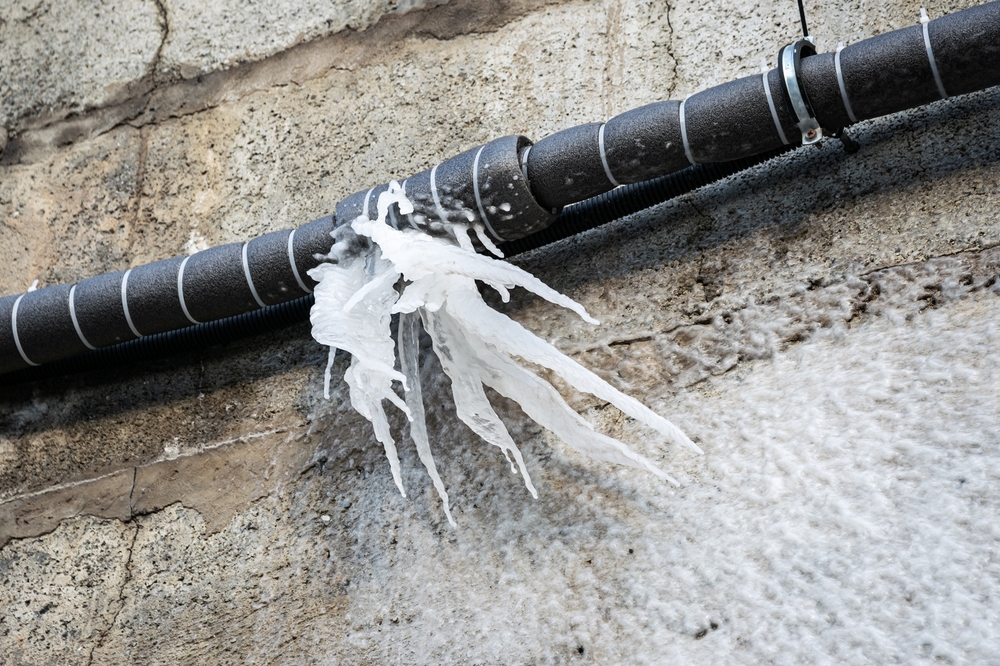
(513, 190)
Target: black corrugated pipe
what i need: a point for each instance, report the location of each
(515, 189)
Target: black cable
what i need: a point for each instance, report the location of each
(574, 219)
(802, 17)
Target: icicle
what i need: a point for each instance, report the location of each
(471, 403)
(366, 284)
(487, 243)
(476, 345)
(409, 349)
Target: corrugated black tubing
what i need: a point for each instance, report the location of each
(163, 345)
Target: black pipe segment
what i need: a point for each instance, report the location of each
(162, 345)
(730, 121)
(567, 167)
(644, 143)
(209, 274)
(118, 307)
(966, 46)
(888, 73)
(881, 75)
(629, 199)
(44, 326)
(311, 244)
(274, 279)
(99, 312)
(154, 302)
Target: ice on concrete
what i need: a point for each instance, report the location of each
(352, 312)
(433, 280)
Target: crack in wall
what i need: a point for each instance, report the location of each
(242, 439)
(164, 21)
(670, 51)
(256, 468)
(131, 494)
(153, 101)
(126, 579)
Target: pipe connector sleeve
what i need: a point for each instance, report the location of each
(644, 143)
(566, 167)
(484, 185)
(505, 197)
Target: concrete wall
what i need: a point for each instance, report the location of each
(825, 327)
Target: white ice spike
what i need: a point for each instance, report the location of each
(432, 280)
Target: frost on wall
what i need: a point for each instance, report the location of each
(477, 346)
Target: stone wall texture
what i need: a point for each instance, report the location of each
(825, 326)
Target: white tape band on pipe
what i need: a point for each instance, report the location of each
(180, 292)
(479, 198)
(128, 317)
(930, 53)
(76, 322)
(774, 110)
(843, 86)
(13, 326)
(291, 262)
(438, 208)
(604, 158)
(684, 134)
(246, 272)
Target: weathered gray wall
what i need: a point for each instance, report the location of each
(824, 326)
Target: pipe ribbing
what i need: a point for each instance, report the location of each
(514, 191)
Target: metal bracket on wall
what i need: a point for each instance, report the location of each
(790, 58)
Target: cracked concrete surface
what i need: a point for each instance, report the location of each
(93, 55)
(61, 58)
(823, 325)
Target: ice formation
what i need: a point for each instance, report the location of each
(377, 271)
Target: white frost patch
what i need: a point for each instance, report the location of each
(477, 345)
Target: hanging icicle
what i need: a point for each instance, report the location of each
(477, 346)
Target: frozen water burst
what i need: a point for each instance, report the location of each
(477, 346)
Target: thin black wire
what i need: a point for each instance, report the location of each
(575, 219)
(802, 16)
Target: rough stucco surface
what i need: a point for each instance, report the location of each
(59, 57)
(66, 57)
(824, 326)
